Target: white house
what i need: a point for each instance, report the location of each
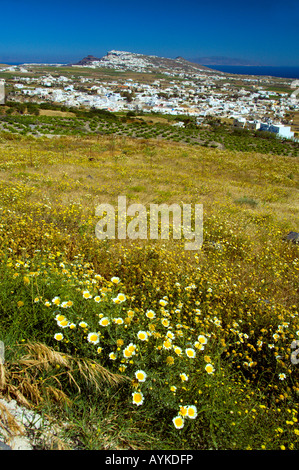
(239, 122)
(254, 125)
(282, 131)
(2, 91)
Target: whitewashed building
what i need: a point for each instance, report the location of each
(282, 131)
(2, 91)
(279, 129)
(239, 122)
(253, 125)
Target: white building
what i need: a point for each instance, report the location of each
(281, 130)
(2, 91)
(239, 122)
(253, 125)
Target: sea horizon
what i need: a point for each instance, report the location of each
(283, 71)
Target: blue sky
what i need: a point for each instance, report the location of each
(52, 31)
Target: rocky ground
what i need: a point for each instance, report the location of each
(24, 429)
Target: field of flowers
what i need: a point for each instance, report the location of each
(141, 344)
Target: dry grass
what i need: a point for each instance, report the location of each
(41, 372)
(50, 112)
(153, 119)
(90, 171)
(295, 124)
(8, 423)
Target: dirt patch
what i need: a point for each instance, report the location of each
(51, 112)
(295, 124)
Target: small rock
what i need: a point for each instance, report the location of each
(4, 446)
(20, 443)
(292, 236)
(25, 419)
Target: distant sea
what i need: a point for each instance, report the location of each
(282, 72)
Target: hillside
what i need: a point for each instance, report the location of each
(136, 344)
(87, 60)
(126, 61)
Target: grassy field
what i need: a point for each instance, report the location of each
(102, 73)
(295, 124)
(52, 112)
(141, 344)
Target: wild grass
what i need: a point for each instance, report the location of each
(210, 332)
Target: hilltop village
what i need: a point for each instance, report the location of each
(178, 87)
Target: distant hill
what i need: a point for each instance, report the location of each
(125, 61)
(220, 60)
(86, 60)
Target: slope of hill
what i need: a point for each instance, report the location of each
(123, 60)
(87, 60)
(219, 324)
